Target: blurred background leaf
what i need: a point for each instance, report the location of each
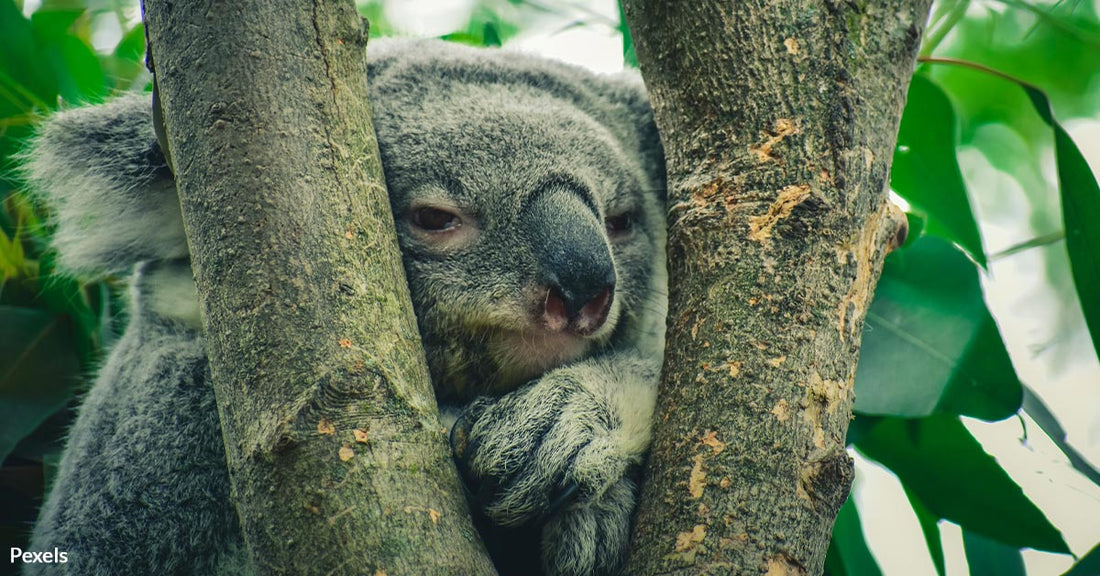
(941, 464)
(848, 554)
(987, 557)
(926, 172)
(930, 345)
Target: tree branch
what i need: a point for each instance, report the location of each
(779, 121)
(338, 461)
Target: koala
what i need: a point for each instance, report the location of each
(528, 198)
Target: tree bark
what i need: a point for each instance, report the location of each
(779, 121)
(338, 462)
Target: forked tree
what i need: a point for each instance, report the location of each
(779, 121)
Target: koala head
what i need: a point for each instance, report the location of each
(527, 199)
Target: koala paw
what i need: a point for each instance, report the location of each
(538, 449)
(591, 537)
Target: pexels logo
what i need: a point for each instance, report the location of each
(54, 557)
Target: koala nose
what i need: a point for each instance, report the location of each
(574, 262)
(582, 305)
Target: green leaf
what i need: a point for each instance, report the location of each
(1080, 196)
(1081, 213)
(848, 553)
(375, 13)
(132, 45)
(38, 370)
(491, 35)
(1048, 423)
(66, 296)
(26, 79)
(79, 74)
(12, 260)
(630, 57)
(1059, 53)
(926, 171)
(991, 558)
(485, 28)
(1088, 565)
(930, 527)
(940, 463)
(929, 343)
(861, 424)
(125, 66)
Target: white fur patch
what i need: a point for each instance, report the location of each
(171, 293)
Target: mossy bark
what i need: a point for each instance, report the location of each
(338, 462)
(779, 121)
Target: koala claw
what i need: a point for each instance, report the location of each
(549, 445)
(563, 498)
(591, 537)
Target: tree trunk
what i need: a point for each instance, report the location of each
(338, 462)
(779, 121)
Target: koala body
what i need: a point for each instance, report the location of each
(528, 198)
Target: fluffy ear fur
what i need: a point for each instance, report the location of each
(627, 89)
(112, 197)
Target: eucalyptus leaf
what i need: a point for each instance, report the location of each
(26, 76)
(79, 74)
(930, 527)
(1088, 565)
(132, 45)
(926, 170)
(38, 371)
(929, 343)
(1081, 213)
(1049, 424)
(1080, 195)
(848, 554)
(991, 558)
(938, 461)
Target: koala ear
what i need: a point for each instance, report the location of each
(626, 92)
(107, 187)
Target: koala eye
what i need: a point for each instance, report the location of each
(620, 224)
(435, 219)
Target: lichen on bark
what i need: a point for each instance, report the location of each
(337, 459)
(779, 121)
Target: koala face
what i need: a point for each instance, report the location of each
(526, 238)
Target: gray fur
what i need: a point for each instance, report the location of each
(548, 431)
(98, 167)
(143, 487)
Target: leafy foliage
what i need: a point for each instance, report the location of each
(930, 345)
(53, 329)
(931, 348)
(1088, 565)
(945, 468)
(991, 558)
(848, 552)
(925, 171)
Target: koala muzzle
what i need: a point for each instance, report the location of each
(574, 262)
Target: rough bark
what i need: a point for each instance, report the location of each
(779, 121)
(338, 461)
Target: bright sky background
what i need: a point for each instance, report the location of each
(1055, 358)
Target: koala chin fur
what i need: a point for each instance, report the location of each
(529, 202)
